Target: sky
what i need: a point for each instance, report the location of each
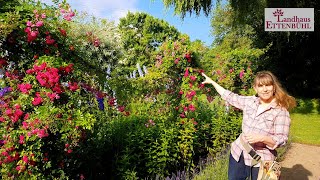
(197, 27)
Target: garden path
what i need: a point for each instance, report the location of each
(301, 162)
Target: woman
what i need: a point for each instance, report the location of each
(265, 124)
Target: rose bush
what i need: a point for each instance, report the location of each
(42, 120)
(49, 90)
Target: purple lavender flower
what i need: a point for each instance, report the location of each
(3, 91)
(100, 102)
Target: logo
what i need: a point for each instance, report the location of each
(289, 19)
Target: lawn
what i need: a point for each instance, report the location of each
(305, 128)
(305, 122)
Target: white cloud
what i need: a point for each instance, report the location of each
(111, 9)
(116, 15)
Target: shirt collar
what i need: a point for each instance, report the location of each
(273, 103)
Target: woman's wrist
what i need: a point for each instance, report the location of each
(267, 140)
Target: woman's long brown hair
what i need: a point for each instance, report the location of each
(283, 99)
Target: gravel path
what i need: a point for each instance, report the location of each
(301, 162)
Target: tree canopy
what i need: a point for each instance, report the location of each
(141, 35)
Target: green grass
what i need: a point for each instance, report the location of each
(305, 122)
(305, 128)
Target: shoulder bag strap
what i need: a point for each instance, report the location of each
(256, 158)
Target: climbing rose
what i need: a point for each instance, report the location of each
(186, 74)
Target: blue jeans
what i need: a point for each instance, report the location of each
(239, 171)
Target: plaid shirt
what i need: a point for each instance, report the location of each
(274, 121)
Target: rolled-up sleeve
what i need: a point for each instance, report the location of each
(281, 129)
(235, 99)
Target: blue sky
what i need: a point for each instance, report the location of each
(195, 27)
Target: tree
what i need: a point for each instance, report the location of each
(96, 41)
(142, 34)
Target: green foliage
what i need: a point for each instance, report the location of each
(307, 106)
(9, 17)
(184, 6)
(141, 35)
(163, 153)
(225, 129)
(97, 42)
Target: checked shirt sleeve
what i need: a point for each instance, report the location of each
(235, 99)
(281, 129)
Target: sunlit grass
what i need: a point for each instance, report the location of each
(305, 128)
(305, 122)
